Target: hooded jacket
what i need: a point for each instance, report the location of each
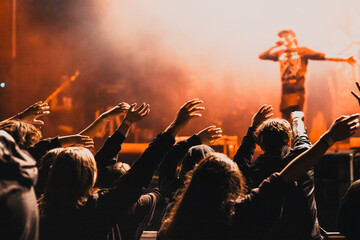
(19, 218)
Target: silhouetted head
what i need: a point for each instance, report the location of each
(273, 134)
(71, 178)
(115, 172)
(218, 176)
(207, 199)
(288, 36)
(25, 134)
(193, 157)
(44, 166)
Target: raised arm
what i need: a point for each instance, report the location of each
(106, 155)
(133, 115)
(187, 112)
(313, 55)
(350, 60)
(355, 95)
(246, 150)
(112, 145)
(341, 129)
(300, 139)
(38, 150)
(33, 112)
(95, 126)
(272, 53)
(128, 188)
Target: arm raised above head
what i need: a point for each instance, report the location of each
(96, 125)
(31, 113)
(188, 111)
(341, 129)
(272, 53)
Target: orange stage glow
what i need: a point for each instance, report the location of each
(216, 44)
(166, 52)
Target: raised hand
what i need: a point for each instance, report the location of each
(354, 94)
(187, 112)
(209, 134)
(134, 115)
(264, 113)
(351, 60)
(117, 110)
(343, 127)
(76, 140)
(36, 110)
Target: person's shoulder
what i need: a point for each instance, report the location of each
(355, 186)
(307, 51)
(303, 50)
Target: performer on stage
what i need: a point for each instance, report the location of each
(293, 64)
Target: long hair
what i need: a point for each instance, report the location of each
(25, 134)
(204, 208)
(44, 166)
(71, 179)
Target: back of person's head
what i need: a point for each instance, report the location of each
(218, 176)
(207, 199)
(115, 172)
(44, 166)
(25, 134)
(273, 134)
(193, 157)
(71, 178)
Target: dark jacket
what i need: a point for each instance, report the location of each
(102, 211)
(19, 216)
(132, 224)
(349, 212)
(299, 215)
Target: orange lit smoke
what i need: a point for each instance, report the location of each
(166, 52)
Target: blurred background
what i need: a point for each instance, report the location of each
(167, 52)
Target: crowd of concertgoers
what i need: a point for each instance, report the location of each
(56, 188)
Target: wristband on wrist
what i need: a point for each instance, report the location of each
(328, 140)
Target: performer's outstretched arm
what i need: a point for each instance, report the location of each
(349, 60)
(313, 55)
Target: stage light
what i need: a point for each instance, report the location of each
(2, 84)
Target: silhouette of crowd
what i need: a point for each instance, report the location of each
(56, 188)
